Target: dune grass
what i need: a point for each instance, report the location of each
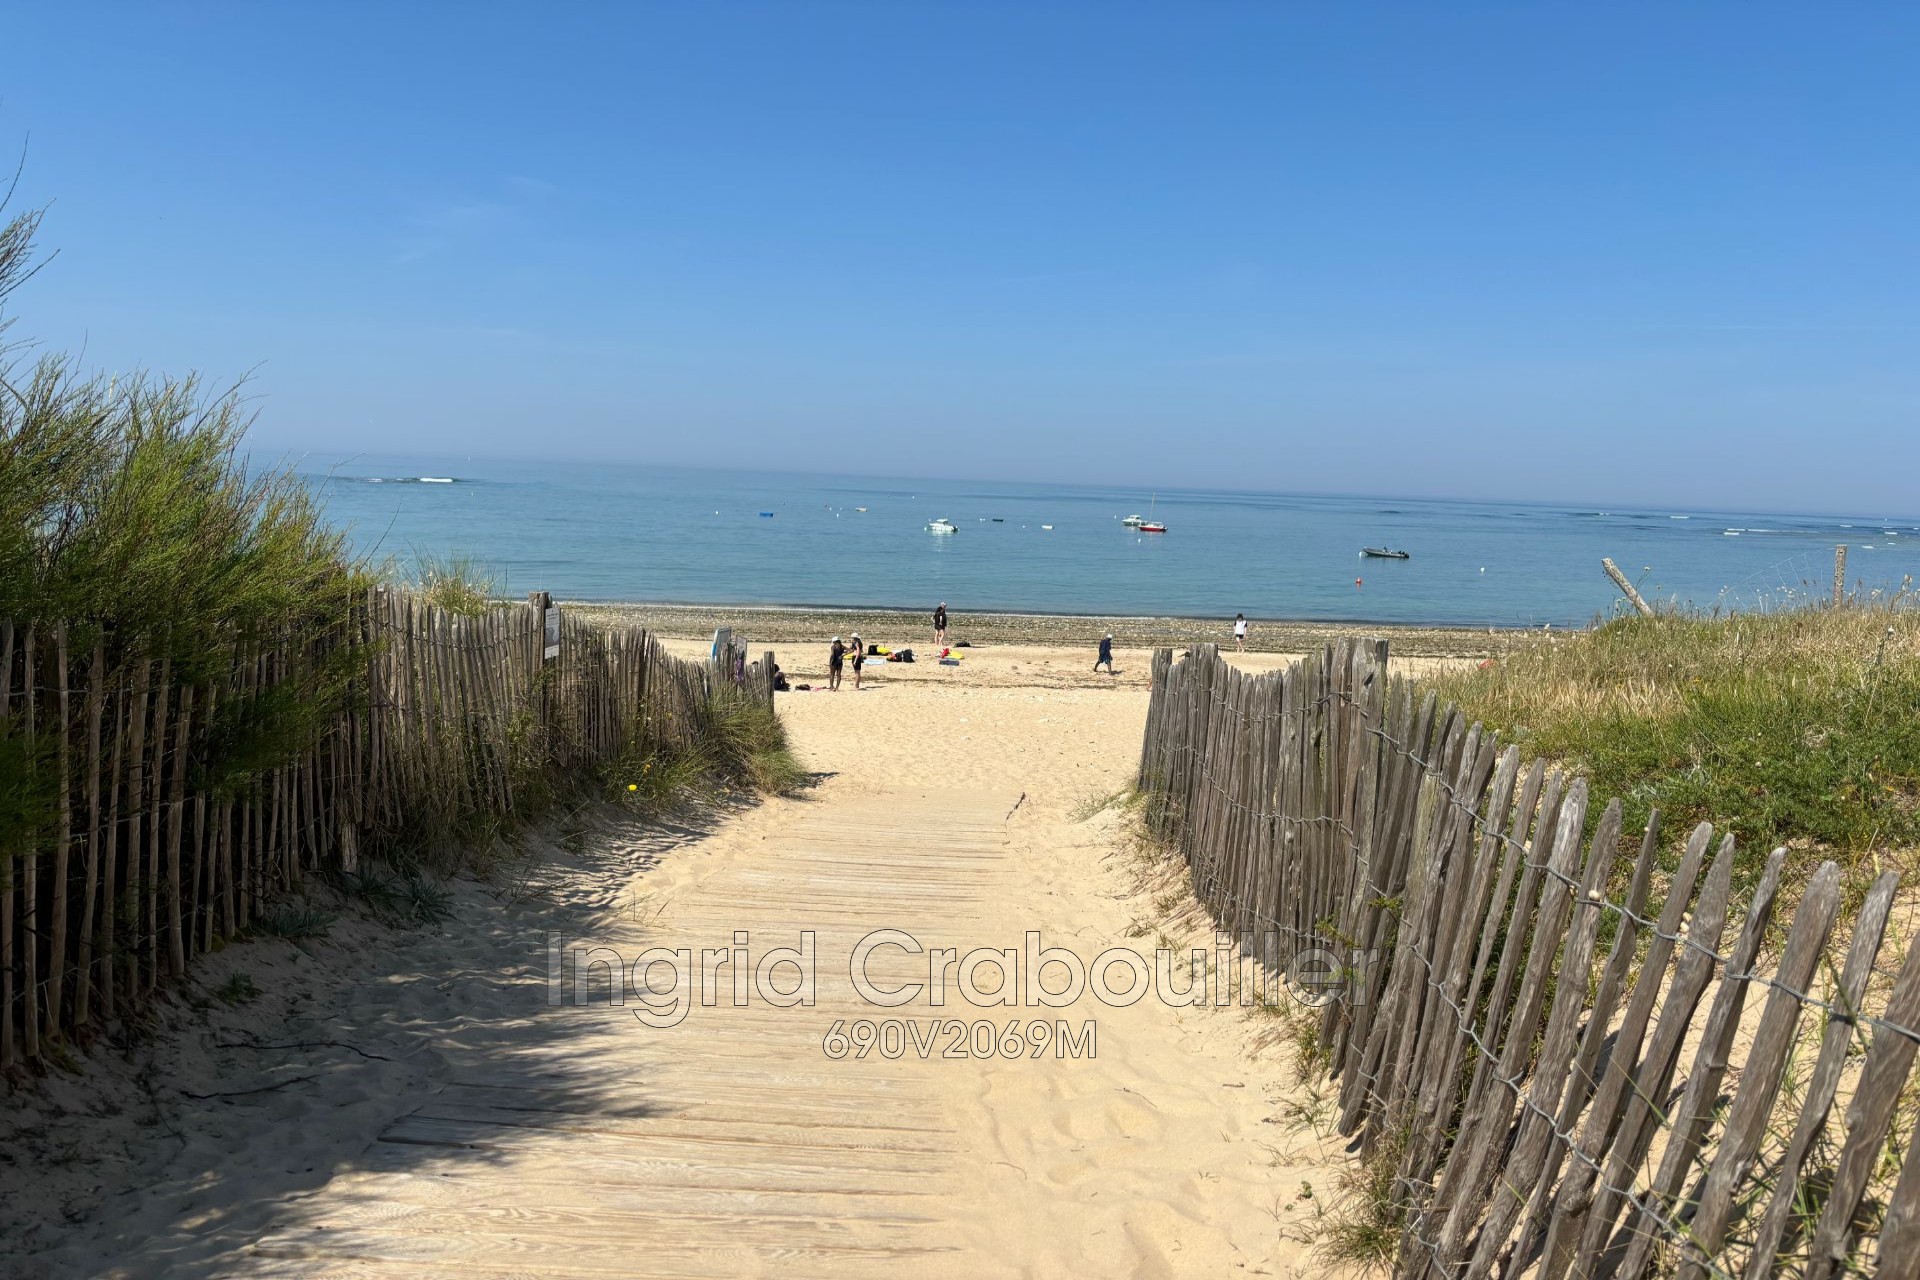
(1798, 729)
(457, 583)
(741, 745)
(130, 516)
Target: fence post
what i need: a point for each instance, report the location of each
(546, 650)
(1626, 588)
(1839, 575)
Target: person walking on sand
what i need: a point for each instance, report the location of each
(1240, 632)
(1106, 654)
(858, 652)
(836, 658)
(940, 624)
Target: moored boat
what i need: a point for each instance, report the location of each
(1385, 553)
(942, 525)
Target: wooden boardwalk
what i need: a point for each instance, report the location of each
(728, 1145)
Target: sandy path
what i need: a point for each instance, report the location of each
(728, 1144)
(496, 1135)
(734, 1143)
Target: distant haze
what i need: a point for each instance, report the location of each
(1634, 254)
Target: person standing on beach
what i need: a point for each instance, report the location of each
(836, 657)
(1240, 632)
(858, 652)
(940, 624)
(1106, 654)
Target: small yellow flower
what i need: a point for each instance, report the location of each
(633, 786)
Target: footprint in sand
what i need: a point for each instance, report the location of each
(1110, 1117)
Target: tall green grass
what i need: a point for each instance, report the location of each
(129, 517)
(127, 509)
(1798, 728)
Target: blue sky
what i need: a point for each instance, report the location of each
(1612, 252)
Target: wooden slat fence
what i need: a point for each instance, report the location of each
(167, 834)
(1566, 1080)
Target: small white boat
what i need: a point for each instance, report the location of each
(1146, 523)
(942, 526)
(1047, 527)
(436, 479)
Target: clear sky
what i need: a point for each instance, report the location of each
(1661, 253)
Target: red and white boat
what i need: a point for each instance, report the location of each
(1151, 527)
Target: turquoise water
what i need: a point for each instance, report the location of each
(668, 534)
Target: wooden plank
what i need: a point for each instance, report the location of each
(175, 886)
(110, 892)
(1868, 931)
(1760, 1074)
(1583, 1079)
(1520, 1175)
(1688, 1126)
(90, 897)
(1483, 908)
(63, 836)
(1466, 1183)
(1646, 1095)
(9, 939)
(155, 813)
(28, 861)
(1869, 1116)
(1897, 1256)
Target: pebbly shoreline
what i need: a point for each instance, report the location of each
(790, 625)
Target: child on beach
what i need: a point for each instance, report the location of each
(940, 624)
(836, 657)
(1240, 631)
(1106, 654)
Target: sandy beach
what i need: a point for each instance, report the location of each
(790, 625)
(307, 1107)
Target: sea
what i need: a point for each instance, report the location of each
(611, 532)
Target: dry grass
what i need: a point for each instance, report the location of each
(1800, 728)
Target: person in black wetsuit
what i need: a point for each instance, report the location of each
(836, 657)
(940, 624)
(1106, 654)
(858, 652)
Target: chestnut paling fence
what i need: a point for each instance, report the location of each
(153, 816)
(1577, 1061)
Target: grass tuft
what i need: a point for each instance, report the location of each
(455, 583)
(400, 895)
(1363, 1226)
(739, 742)
(294, 923)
